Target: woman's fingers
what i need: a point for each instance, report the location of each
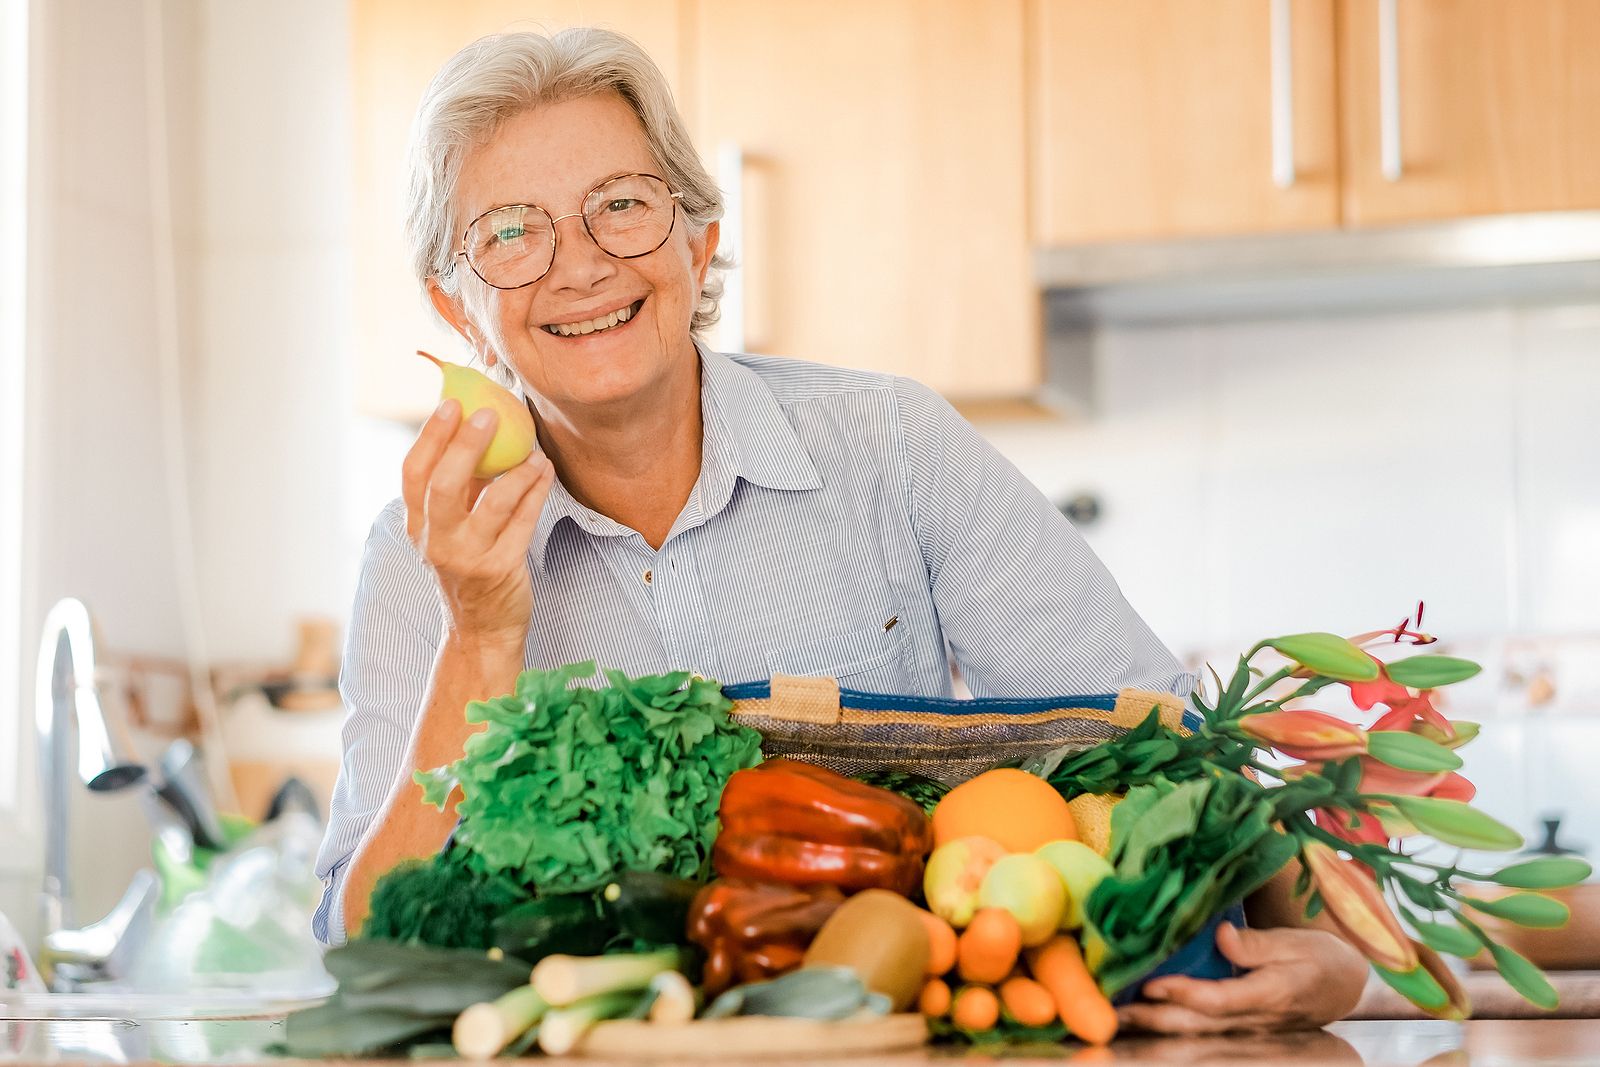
(421, 459)
(518, 530)
(450, 485)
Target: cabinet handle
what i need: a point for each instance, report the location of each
(1389, 89)
(730, 175)
(1282, 94)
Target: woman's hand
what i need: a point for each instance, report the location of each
(475, 534)
(1298, 979)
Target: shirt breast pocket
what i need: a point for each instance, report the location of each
(872, 659)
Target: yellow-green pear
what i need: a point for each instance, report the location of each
(1081, 869)
(514, 435)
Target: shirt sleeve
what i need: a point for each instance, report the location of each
(395, 629)
(1026, 606)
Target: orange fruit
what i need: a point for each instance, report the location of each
(1019, 810)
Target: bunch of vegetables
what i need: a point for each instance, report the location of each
(1197, 828)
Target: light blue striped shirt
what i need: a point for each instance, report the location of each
(829, 503)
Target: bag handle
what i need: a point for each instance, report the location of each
(805, 698)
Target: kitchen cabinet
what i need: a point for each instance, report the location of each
(1155, 118)
(1493, 108)
(397, 46)
(1170, 119)
(882, 155)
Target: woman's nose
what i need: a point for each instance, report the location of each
(578, 262)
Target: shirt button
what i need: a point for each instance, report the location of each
(648, 575)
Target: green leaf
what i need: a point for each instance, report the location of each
(1410, 752)
(1525, 978)
(1447, 937)
(1455, 823)
(1550, 872)
(1430, 672)
(437, 785)
(1417, 986)
(1524, 909)
(1327, 654)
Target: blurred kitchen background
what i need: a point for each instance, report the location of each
(1294, 306)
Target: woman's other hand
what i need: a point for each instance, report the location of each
(474, 533)
(1298, 979)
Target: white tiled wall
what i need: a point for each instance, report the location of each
(1290, 474)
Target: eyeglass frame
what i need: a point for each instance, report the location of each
(555, 238)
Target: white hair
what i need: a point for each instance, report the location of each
(505, 74)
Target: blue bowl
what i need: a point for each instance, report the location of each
(1197, 958)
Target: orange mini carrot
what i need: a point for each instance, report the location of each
(934, 1001)
(975, 1008)
(1028, 1002)
(941, 943)
(987, 949)
(1058, 966)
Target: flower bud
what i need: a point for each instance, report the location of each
(1307, 735)
(1352, 900)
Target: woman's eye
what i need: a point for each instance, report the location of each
(509, 233)
(625, 204)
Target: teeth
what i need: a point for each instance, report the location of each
(604, 322)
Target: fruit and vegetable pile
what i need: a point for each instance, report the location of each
(624, 852)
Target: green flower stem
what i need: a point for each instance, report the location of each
(1267, 683)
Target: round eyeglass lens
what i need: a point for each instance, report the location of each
(629, 216)
(511, 246)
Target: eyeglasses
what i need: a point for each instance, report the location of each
(627, 217)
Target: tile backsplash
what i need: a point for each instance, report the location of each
(1327, 473)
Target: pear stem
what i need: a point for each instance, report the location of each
(436, 361)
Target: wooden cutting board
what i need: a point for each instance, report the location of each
(749, 1035)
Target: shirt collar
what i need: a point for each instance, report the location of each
(747, 436)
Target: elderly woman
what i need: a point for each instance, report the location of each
(730, 514)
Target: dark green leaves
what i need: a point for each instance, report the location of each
(1524, 909)
(1430, 672)
(1455, 823)
(1410, 752)
(1549, 872)
(568, 785)
(1327, 654)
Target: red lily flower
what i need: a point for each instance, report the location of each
(1381, 690)
(1354, 827)
(1307, 735)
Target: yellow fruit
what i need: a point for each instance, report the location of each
(953, 875)
(1020, 810)
(514, 434)
(1081, 869)
(1092, 814)
(1030, 889)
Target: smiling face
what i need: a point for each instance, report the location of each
(552, 156)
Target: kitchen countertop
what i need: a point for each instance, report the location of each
(1387, 1043)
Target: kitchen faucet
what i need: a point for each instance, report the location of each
(72, 729)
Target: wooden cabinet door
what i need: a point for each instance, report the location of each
(1498, 107)
(1154, 118)
(398, 45)
(885, 214)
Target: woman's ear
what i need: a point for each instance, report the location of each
(704, 253)
(450, 309)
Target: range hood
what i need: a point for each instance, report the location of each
(1531, 258)
(1544, 256)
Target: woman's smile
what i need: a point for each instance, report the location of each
(580, 328)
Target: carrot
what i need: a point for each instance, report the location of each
(975, 1008)
(934, 1001)
(1028, 1002)
(1058, 966)
(987, 949)
(941, 942)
